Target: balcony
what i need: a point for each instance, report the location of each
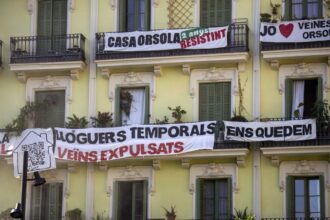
(282, 52)
(0, 53)
(236, 51)
(45, 53)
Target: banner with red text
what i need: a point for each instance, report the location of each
(103, 144)
(7, 142)
(295, 31)
(293, 130)
(195, 38)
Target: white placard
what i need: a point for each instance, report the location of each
(295, 31)
(293, 130)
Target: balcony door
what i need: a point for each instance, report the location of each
(51, 27)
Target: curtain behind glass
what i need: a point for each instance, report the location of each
(137, 110)
(298, 97)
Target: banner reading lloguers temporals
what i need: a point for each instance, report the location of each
(292, 130)
(196, 38)
(103, 144)
(295, 31)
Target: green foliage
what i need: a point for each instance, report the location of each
(27, 112)
(126, 100)
(103, 120)
(101, 217)
(296, 112)
(76, 122)
(177, 113)
(238, 117)
(243, 215)
(164, 121)
(170, 214)
(321, 112)
(265, 17)
(74, 214)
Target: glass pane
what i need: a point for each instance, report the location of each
(315, 215)
(299, 204)
(314, 187)
(300, 215)
(312, 9)
(299, 187)
(297, 9)
(314, 204)
(124, 200)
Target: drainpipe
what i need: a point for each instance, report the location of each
(91, 103)
(256, 108)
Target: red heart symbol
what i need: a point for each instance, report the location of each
(286, 29)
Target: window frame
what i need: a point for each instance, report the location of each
(197, 11)
(129, 173)
(291, 196)
(49, 83)
(51, 176)
(287, 12)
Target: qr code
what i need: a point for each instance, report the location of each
(37, 155)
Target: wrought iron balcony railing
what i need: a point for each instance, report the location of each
(237, 42)
(289, 46)
(56, 48)
(0, 53)
(310, 218)
(322, 135)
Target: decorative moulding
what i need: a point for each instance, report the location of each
(30, 5)
(72, 4)
(113, 4)
(212, 171)
(156, 164)
(105, 72)
(186, 69)
(21, 77)
(158, 70)
(185, 163)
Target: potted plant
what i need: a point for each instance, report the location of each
(177, 113)
(126, 100)
(170, 214)
(103, 120)
(76, 122)
(243, 215)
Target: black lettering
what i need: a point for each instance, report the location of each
(163, 38)
(81, 138)
(141, 40)
(297, 130)
(175, 133)
(90, 141)
(210, 128)
(110, 42)
(132, 42)
(248, 132)
(70, 138)
(121, 136)
(278, 132)
(260, 132)
(230, 131)
(148, 39)
(307, 129)
(155, 38)
(184, 130)
(125, 41)
(194, 130)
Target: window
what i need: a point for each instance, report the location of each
(303, 9)
(54, 115)
(132, 105)
(131, 200)
(301, 96)
(215, 12)
(214, 101)
(214, 199)
(46, 202)
(134, 15)
(51, 26)
(305, 197)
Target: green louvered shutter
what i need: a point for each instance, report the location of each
(230, 199)
(44, 26)
(288, 97)
(199, 197)
(59, 25)
(287, 10)
(147, 105)
(319, 89)
(54, 204)
(290, 197)
(117, 107)
(214, 101)
(122, 16)
(54, 115)
(36, 202)
(215, 13)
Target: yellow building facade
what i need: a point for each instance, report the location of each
(57, 49)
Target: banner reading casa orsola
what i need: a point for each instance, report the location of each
(102, 144)
(196, 38)
(295, 31)
(293, 130)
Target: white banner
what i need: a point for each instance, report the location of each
(295, 31)
(294, 130)
(39, 145)
(196, 38)
(102, 144)
(6, 143)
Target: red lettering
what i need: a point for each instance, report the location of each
(103, 155)
(162, 149)
(60, 153)
(183, 44)
(178, 147)
(113, 153)
(152, 148)
(92, 156)
(131, 150)
(170, 146)
(143, 152)
(2, 149)
(122, 150)
(70, 155)
(83, 156)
